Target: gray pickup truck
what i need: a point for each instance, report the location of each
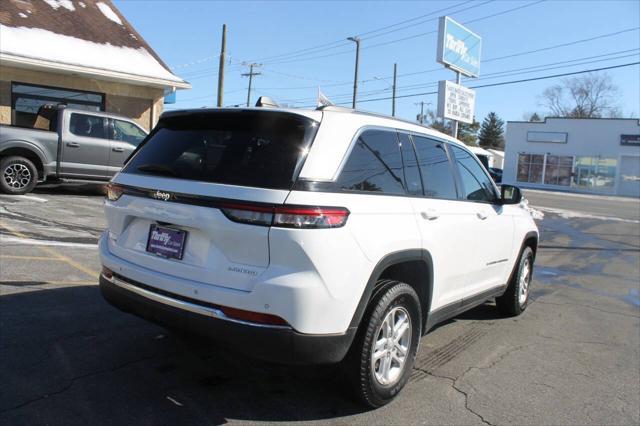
(64, 144)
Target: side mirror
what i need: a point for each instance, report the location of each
(510, 194)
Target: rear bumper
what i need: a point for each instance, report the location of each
(279, 344)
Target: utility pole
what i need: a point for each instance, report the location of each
(356, 40)
(223, 55)
(421, 116)
(393, 104)
(250, 74)
(454, 127)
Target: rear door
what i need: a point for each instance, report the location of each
(191, 174)
(489, 224)
(124, 138)
(85, 147)
(446, 234)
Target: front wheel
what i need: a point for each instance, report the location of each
(18, 175)
(514, 301)
(382, 356)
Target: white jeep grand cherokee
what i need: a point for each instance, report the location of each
(318, 236)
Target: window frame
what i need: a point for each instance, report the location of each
(105, 123)
(111, 127)
(454, 172)
(332, 187)
(347, 156)
(462, 196)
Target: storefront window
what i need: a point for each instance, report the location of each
(530, 168)
(558, 170)
(595, 173)
(26, 100)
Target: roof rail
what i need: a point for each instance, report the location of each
(334, 108)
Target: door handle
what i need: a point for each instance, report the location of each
(73, 144)
(482, 215)
(429, 214)
(117, 149)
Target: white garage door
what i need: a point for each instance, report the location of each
(629, 180)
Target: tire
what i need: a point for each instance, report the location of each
(371, 382)
(18, 175)
(515, 299)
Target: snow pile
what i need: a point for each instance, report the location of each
(36, 43)
(109, 13)
(536, 214)
(56, 4)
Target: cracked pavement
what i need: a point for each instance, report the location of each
(66, 357)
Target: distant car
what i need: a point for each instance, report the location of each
(496, 174)
(65, 143)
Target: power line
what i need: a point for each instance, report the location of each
(509, 82)
(286, 61)
(341, 42)
(512, 55)
(508, 73)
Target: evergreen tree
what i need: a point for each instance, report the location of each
(535, 117)
(468, 133)
(491, 132)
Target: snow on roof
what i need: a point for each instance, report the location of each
(27, 42)
(479, 151)
(108, 12)
(89, 34)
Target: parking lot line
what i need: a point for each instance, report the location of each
(29, 257)
(55, 254)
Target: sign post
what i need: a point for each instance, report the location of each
(459, 50)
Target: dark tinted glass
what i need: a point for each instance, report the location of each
(127, 132)
(411, 173)
(437, 174)
(374, 165)
(247, 148)
(88, 126)
(477, 185)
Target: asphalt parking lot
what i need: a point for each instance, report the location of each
(66, 357)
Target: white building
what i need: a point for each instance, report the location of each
(573, 154)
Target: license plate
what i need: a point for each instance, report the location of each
(166, 242)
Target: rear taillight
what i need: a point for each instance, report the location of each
(302, 217)
(114, 192)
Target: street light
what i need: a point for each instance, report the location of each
(356, 40)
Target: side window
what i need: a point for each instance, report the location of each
(88, 126)
(127, 132)
(411, 173)
(374, 164)
(477, 185)
(437, 174)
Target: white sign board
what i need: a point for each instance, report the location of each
(456, 102)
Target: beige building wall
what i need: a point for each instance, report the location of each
(141, 103)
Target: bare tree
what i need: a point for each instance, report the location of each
(588, 96)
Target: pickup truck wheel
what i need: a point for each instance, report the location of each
(514, 301)
(381, 358)
(18, 175)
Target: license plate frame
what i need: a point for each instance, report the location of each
(166, 242)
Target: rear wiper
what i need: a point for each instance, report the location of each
(160, 169)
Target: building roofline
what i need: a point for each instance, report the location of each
(573, 118)
(36, 63)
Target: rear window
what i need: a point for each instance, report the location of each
(247, 148)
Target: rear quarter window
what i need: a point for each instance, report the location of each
(247, 148)
(374, 164)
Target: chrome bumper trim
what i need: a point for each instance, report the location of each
(187, 306)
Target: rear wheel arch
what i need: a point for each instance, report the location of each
(413, 267)
(27, 153)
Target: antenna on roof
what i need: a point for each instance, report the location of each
(266, 102)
